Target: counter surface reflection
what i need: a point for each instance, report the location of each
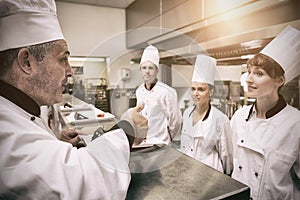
(166, 173)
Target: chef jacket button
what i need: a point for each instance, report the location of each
(242, 141)
(192, 150)
(256, 174)
(32, 118)
(240, 167)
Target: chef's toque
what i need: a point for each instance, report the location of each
(150, 54)
(204, 70)
(285, 50)
(24, 23)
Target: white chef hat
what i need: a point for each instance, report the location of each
(285, 50)
(29, 22)
(151, 54)
(204, 70)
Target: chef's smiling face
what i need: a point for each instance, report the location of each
(149, 71)
(50, 77)
(200, 93)
(260, 84)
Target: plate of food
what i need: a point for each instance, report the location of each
(92, 115)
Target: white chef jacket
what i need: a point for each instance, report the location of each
(267, 152)
(162, 111)
(34, 164)
(209, 140)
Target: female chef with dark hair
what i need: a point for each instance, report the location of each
(266, 135)
(206, 132)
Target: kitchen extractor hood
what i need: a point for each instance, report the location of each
(228, 39)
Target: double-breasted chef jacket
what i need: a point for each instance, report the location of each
(209, 140)
(34, 164)
(267, 151)
(161, 109)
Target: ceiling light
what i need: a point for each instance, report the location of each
(87, 59)
(247, 56)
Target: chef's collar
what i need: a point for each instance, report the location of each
(19, 98)
(152, 84)
(281, 104)
(206, 114)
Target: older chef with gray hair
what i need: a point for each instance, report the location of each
(34, 68)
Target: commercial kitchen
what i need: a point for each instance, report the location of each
(107, 39)
(106, 44)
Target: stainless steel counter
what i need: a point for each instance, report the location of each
(166, 173)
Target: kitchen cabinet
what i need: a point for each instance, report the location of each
(186, 13)
(207, 20)
(169, 15)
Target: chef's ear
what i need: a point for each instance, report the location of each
(281, 81)
(211, 92)
(23, 59)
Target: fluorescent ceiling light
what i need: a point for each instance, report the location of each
(247, 56)
(87, 59)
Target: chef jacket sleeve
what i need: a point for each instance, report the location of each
(226, 148)
(173, 113)
(295, 171)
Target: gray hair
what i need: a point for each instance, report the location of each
(7, 57)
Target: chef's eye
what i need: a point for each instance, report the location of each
(65, 59)
(259, 73)
(201, 89)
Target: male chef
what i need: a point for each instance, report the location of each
(34, 68)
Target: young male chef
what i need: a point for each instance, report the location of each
(161, 106)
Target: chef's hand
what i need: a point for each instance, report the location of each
(140, 122)
(137, 118)
(72, 136)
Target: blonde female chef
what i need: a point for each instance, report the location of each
(161, 107)
(206, 132)
(266, 135)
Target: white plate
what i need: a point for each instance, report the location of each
(91, 115)
(148, 143)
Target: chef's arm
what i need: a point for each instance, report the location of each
(295, 170)
(295, 173)
(226, 149)
(72, 136)
(173, 114)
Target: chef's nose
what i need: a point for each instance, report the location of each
(195, 92)
(249, 77)
(69, 71)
